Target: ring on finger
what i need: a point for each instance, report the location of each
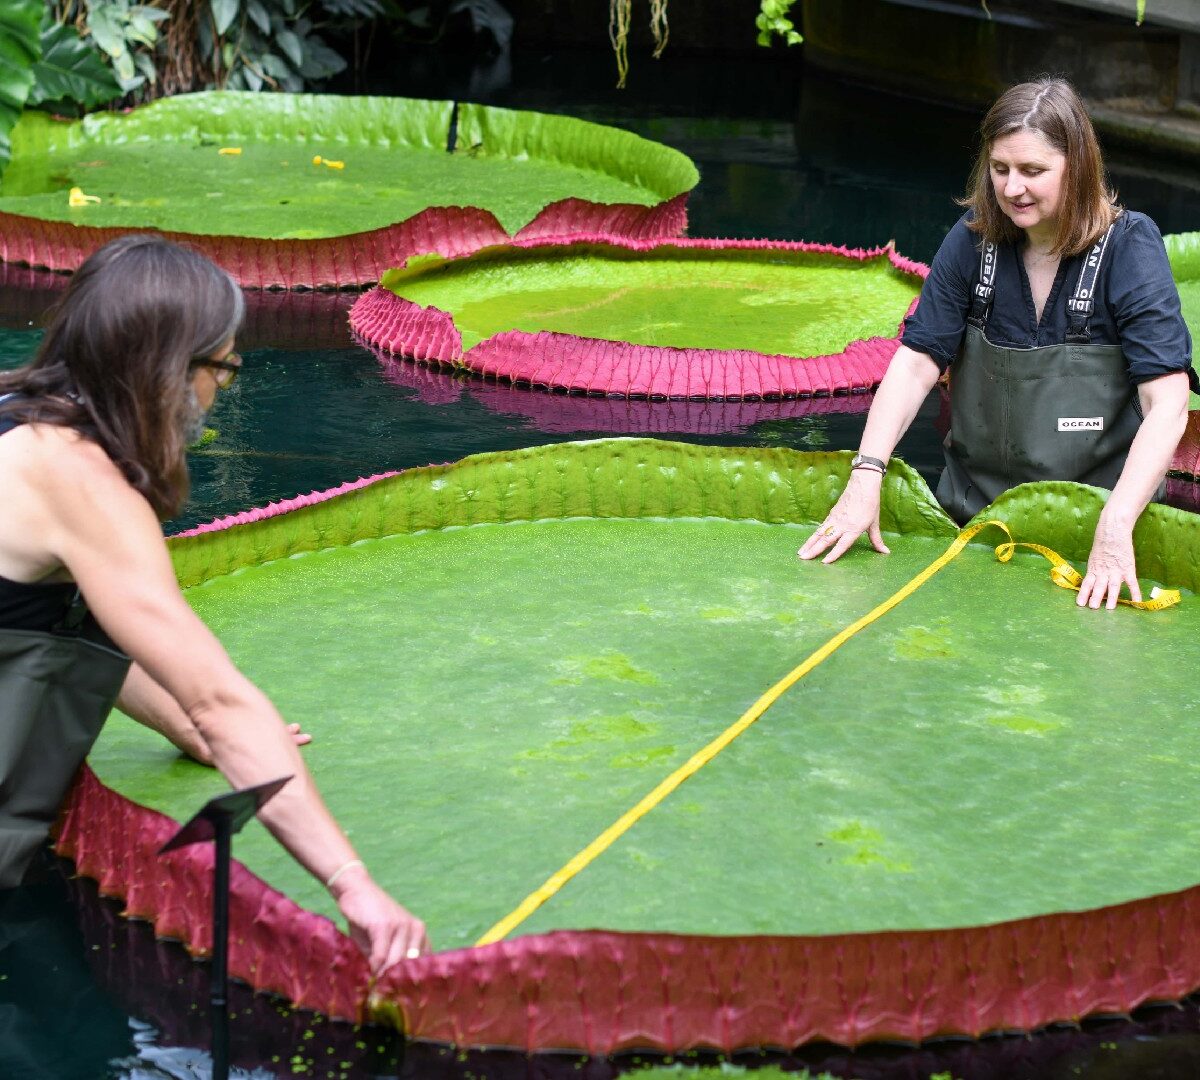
(413, 953)
(829, 530)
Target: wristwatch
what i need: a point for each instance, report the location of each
(861, 461)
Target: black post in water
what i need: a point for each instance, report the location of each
(218, 987)
(218, 820)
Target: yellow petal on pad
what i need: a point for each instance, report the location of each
(76, 197)
(318, 160)
(228, 151)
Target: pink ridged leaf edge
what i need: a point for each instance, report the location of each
(555, 361)
(350, 261)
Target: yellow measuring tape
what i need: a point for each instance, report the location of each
(1062, 573)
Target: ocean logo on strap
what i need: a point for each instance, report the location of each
(1081, 423)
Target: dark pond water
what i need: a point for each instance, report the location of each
(782, 154)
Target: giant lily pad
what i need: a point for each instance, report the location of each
(498, 658)
(288, 190)
(716, 319)
(1183, 250)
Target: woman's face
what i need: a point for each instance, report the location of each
(206, 381)
(1027, 175)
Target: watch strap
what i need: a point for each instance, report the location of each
(861, 461)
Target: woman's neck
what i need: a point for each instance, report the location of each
(1040, 241)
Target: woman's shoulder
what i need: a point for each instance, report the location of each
(1137, 255)
(60, 455)
(1134, 227)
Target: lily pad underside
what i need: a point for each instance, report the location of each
(574, 414)
(294, 190)
(698, 319)
(965, 820)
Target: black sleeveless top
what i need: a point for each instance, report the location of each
(55, 607)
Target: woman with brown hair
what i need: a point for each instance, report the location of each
(1056, 315)
(92, 440)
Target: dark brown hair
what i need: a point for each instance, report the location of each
(116, 358)
(1052, 108)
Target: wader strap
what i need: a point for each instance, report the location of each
(1082, 304)
(71, 623)
(985, 287)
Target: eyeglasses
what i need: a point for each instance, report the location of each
(226, 372)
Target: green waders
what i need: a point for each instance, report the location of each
(1054, 412)
(56, 690)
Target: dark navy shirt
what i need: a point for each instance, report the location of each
(1137, 303)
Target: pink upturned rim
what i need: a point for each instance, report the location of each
(575, 364)
(351, 261)
(600, 992)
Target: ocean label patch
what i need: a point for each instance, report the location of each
(1081, 423)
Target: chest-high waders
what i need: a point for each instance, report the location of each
(56, 690)
(1053, 412)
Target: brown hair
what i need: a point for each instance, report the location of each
(1052, 108)
(115, 362)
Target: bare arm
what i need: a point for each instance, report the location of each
(148, 703)
(145, 701)
(107, 536)
(907, 382)
(1111, 563)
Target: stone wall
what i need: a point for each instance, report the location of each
(952, 51)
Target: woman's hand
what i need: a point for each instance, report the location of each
(855, 513)
(1110, 565)
(385, 931)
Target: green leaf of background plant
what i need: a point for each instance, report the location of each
(106, 31)
(223, 13)
(290, 46)
(320, 61)
(258, 15)
(20, 48)
(70, 71)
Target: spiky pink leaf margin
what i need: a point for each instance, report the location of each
(274, 944)
(567, 362)
(573, 413)
(602, 992)
(260, 513)
(351, 261)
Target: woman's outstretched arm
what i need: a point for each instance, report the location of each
(143, 700)
(107, 536)
(1111, 563)
(906, 384)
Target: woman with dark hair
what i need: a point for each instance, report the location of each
(93, 436)
(1055, 313)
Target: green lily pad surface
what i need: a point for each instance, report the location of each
(496, 659)
(793, 303)
(1184, 252)
(161, 166)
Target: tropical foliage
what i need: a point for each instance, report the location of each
(76, 55)
(772, 21)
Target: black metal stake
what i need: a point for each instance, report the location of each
(218, 820)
